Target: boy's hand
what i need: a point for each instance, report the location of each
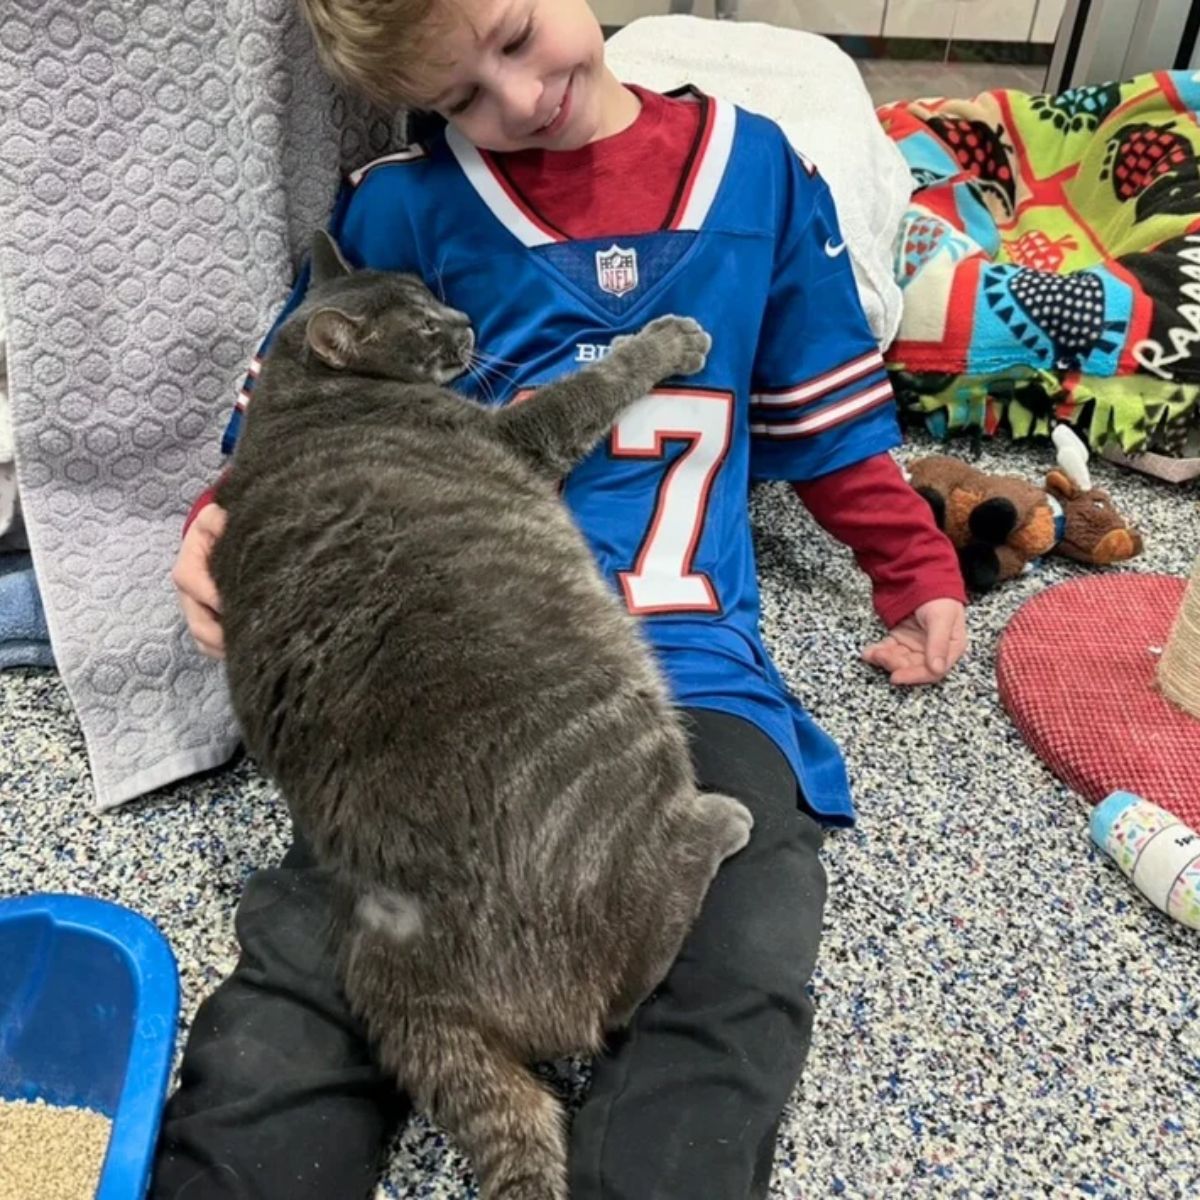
(923, 647)
(197, 592)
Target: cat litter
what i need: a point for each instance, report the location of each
(89, 999)
(50, 1153)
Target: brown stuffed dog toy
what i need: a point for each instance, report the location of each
(1001, 524)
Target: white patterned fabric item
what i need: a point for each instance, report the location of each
(162, 167)
(8, 473)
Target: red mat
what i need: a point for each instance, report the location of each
(1076, 669)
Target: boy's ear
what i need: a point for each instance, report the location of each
(327, 260)
(333, 336)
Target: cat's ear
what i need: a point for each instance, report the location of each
(327, 260)
(332, 336)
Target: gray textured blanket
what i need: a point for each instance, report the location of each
(162, 166)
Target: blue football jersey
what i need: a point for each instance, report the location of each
(794, 386)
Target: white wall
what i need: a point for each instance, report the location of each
(818, 16)
(990, 20)
(621, 12)
(1045, 24)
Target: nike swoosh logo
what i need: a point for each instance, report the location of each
(832, 250)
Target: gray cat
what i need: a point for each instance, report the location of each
(459, 711)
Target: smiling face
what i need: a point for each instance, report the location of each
(524, 74)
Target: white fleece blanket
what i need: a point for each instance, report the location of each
(814, 92)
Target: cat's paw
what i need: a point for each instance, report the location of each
(729, 821)
(682, 343)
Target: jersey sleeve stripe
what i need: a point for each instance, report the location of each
(232, 431)
(822, 385)
(792, 412)
(248, 382)
(827, 417)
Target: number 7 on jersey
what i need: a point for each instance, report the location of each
(662, 579)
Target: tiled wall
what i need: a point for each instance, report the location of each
(1046, 20)
(984, 20)
(621, 12)
(1004, 20)
(820, 16)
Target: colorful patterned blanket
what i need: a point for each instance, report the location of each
(1050, 261)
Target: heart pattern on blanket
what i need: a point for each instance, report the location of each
(1040, 252)
(926, 235)
(982, 152)
(922, 240)
(1154, 164)
(1079, 108)
(1139, 154)
(1068, 310)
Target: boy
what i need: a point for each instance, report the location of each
(560, 210)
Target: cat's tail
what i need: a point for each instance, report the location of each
(509, 1125)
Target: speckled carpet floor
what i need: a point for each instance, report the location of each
(998, 1013)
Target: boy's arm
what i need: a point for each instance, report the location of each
(823, 418)
(871, 508)
(821, 398)
(202, 501)
(913, 567)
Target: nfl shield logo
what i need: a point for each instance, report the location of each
(617, 270)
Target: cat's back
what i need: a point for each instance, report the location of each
(415, 573)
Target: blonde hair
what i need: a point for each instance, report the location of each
(382, 48)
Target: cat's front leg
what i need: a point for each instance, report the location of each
(667, 346)
(563, 421)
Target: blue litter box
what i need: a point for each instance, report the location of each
(89, 997)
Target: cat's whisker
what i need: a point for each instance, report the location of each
(485, 388)
(481, 362)
(485, 385)
(441, 283)
(492, 383)
(495, 358)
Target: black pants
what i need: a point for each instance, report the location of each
(279, 1098)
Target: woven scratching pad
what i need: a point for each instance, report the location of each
(1076, 669)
